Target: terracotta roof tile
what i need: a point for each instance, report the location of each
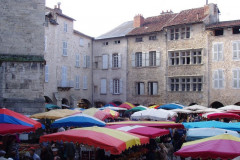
(224, 24)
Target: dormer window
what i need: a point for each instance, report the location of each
(180, 33)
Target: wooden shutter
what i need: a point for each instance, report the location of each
(235, 50)
(220, 51)
(85, 82)
(111, 60)
(103, 86)
(157, 58)
(105, 61)
(141, 88)
(215, 79)
(111, 86)
(119, 60)
(215, 52)
(121, 86)
(221, 78)
(144, 59)
(235, 78)
(64, 76)
(155, 88)
(147, 59)
(45, 43)
(77, 60)
(133, 60)
(84, 61)
(88, 61)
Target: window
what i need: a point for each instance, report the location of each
(236, 78)
(65, 28)
(139, 39)
(152, 58)
(117, 42)
(236, 30)
(139, 59)
(77, 60)
(218, 51)
(105, 43)
(77, 82)
(218, 32)
(218, 79)
(46, 73)
(105, 61)
(103, 86)
(86, 61)
(85, 82)
(65, 45)
(180, 32)
(185, 84)
(152, 88)
(185, 57)
(115, 60)
(154, 37)
(45, 43)
(236, 50)
(81, 42)
(116, 86)
(140, 88)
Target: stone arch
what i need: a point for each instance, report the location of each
(216, 104)
(191, 104)
(84, 103)
(237, 104)
(48, 99)
(65, 101)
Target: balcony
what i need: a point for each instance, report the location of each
(65, 85)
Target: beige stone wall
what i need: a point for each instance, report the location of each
(98, 73)
(228, 95)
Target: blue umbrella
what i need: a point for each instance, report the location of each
(109, 105)
(171, 106)
(78, 120)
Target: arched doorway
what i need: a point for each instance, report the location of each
(216, 105)
(48, 100)
(191, 104)
(237, 104)
(99, 104)
(84, 103)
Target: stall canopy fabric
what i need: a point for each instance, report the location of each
(150, 132)
(126, 105)
(223, 115)
(52, 106)
(78, 120)
(200, 133)
(13, 122)
(195, 107)
(171, 106)
(113, 108)
(230, 107)
(156, 124)
(98, 113)
(224, 146)
(108, 139)
(114, 114)
(154, 106)
(215, 124)
(136, 109)
(55, 114)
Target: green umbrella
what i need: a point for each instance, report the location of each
(51, 106)
(135, 109)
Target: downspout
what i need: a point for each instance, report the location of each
(92, 74)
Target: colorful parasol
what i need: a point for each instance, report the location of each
(156, 124)
(230, 107)
(105, 138)
(55, 114)
(114, 114)
(171, 106)
(12, 122)
(223, 115)
(126, 105)
(78, 120)
(154, 106)
(150, 132)
(136, 109)
(98, 113)
(224, 146)
(195, 107)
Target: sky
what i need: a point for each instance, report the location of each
(96, 17)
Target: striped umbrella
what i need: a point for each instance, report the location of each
(224, 146)
(98, 113)
(114, 114)
(105, 138)
(127, 105)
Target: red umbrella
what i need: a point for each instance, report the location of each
(7, 128)
(234, 111)
(223, 115)
(127, 105)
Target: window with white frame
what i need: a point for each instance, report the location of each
(116, 60)
(180, 32)
(86, 61)
(185, 84)
(46, 73)
(152, 58)
(103, 89)
(152, 88)
(81, 41)
(105, 61)
(236, 50)
(140, 88)
(77, 60)
(218, 52)
(188, 57)
(85, 82)
(65, 46)
(138, 59)
(116, 86)
(218, 79)
(65, 27)
(236, 78)
(77, 82)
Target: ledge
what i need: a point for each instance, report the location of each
(21, 58)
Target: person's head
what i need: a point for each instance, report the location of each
(2, 153)
(55, 151)
(32, 151)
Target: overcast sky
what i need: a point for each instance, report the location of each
(96, 17)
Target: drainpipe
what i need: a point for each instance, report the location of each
(92, 73)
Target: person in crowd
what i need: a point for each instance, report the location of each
(2, 154)
(12, 147)
(45, 152)
(33, 155)
(55, 154)
(69, 151)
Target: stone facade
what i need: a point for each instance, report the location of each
(21, 55)
(68, 54)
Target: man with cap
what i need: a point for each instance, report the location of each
(2, 154)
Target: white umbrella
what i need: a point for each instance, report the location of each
(182, 111)
(208, 110)
(230, 107)
(195, 107)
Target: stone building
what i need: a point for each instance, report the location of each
(68, 55)
(110, 65)
(21, 55)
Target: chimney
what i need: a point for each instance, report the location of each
(138, 21)
(57, 8)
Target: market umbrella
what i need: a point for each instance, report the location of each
(223, 115)
(51, 106)
(230, 107)
(154, 106)
(77, 120)
(54, 114)
(207, 110)
(113, 108)
(98, 113)
(109, 105)
(126, 105)
(150, 132)
(13, 122)
(195, 107)
(156, 124)
(200, 133)
(108, 139)
(224, 146)
(114, 114)
(136, 109)
(171, 106)
(182, 111)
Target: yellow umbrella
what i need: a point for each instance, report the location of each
(54, 114)
(154, 106)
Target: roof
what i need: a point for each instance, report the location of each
(65, 16)
(152, 24)
(80, 33)
(224, 24)
(119, 31)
